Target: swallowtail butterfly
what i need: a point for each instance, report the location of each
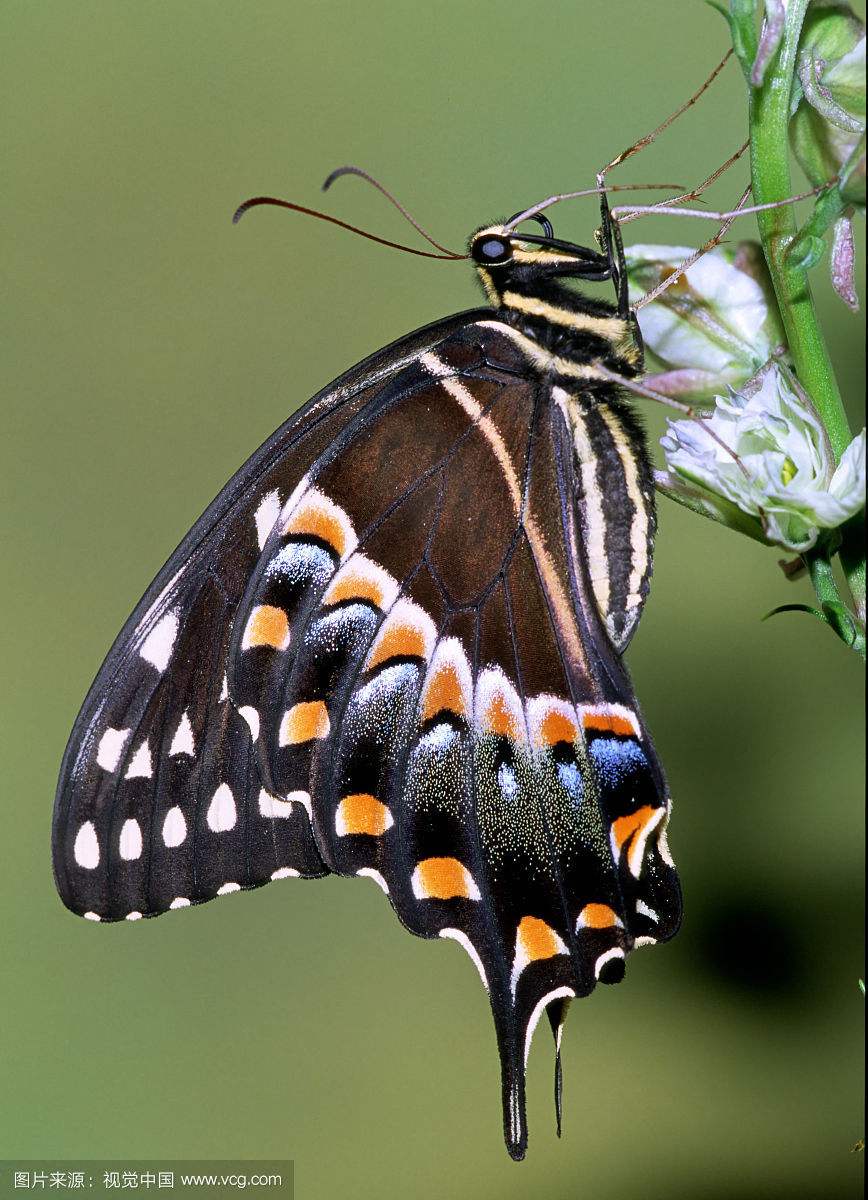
(392, 648)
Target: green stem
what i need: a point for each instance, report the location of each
(770, 177)
(835, 612)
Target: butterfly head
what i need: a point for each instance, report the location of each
(505, 260)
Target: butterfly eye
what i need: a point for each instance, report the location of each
(492, 250)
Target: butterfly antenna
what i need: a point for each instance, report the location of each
(256, 201)
(408, 216)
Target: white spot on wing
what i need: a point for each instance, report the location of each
(646, 911)
(140, 766)
(222, 814)
(226, 889)
(662, 840)
(285, 873)
(615, 952)
(221, 811)
(86, 847)
(110, 748)
(370, 873)
(266, 516)
(180, 902)
(182, 742)
(134, 916)
(302, 798)
(270, 806)
(174, 827)
(459, 936)
(251, 716)
(160, 642)
(130, 844)
(92, 916)
(560, 993)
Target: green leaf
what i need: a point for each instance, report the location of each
(782, 608)
(839, 618)
(742, 23)
(836, 615)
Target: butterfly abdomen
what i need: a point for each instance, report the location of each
(572, 339)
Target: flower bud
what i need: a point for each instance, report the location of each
(827, 127)
(718, 324)
(765, 450)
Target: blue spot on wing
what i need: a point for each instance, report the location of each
(507, 779)
(617, 760)
(571, 778)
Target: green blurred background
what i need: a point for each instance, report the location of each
(151, 347)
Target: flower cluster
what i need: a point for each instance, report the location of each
(760, 460)
(764, 450)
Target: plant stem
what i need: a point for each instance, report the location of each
(770, 177)
(835, 612)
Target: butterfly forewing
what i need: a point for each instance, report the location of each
(158, 801)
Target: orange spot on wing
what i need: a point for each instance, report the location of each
(362, 813)
(443, 879)
(320, 523)
(397, 641)
(557, 727)
(499, 718)
(355, 585)
(443, 691)
(608, 723)
(623, 828)
(597, 916)
(537, 939)
(304, 722)
(267, 626)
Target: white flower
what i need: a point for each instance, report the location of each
(784, 473)
(715, 326)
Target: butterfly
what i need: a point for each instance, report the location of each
(392, 648)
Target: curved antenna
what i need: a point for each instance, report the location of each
(596, 191)
(362, 174)
(255, 201)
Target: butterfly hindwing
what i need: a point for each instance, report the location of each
(450, 709)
